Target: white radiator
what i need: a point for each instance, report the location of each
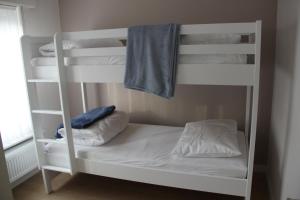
(21, 161)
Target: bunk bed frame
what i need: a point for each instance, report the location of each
(206, 74)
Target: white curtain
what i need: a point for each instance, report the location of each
(15, 123)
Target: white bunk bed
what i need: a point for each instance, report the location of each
(234, 178)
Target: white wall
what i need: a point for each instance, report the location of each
(284, 162)
(44, 20)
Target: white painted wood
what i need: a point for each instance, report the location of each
(42, 81)
(183, 50)
(247, 113)
(58, 169)
(56, 141)
(121, 33)
(84, 96)
(104, 51)
(27, 54)
(254, 109)
(215, 74)
(224, 28)
(45, 72)
(209, 74)
(63, 93)
(222, 185)
(47, 181)
(48, 112)
(217, 49)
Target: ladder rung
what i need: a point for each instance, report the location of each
(49, 112)
(42, 81)
(55, 168)
(46, 140)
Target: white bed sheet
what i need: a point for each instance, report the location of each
(150, 146)
(121, 60)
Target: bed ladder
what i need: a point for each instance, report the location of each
(39, 137)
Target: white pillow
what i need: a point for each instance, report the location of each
(101, 131)
(210, 138)
(49, 49)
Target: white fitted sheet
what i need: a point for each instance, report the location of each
(121, 60)
(150, 146)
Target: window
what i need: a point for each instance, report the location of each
(15, 122)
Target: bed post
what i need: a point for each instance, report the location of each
(63, 90)
(247, 114)
(254, 110)
(83, 96)
(47, 181)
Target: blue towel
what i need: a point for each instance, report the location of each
(86, 119)
(152, 59)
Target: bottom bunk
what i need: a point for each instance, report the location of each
(143, 153)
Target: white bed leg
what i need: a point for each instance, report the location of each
(47, 181)
(248, 197)
(249, 188)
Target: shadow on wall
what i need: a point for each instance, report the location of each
(188, 104)
(287, 38)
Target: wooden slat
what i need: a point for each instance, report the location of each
(217, 49)
(55, 168)
(45, 72)
(183, 50)
(121, 33)
(216, 184)
(56, 141)
(222, 74)
(209, 74)
(224, 28)
(42, 81)
(105, 51)
(48, 112)
(115, 73)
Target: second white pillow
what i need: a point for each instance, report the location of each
(209, 138)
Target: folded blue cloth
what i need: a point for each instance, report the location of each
(86, 119)
(151, 59)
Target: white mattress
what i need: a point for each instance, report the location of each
(121, 60)
(150, 146)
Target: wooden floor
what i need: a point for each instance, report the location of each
(90, 187)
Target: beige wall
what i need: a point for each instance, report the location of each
(190, 102)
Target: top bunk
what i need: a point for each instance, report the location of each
(209, 54)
